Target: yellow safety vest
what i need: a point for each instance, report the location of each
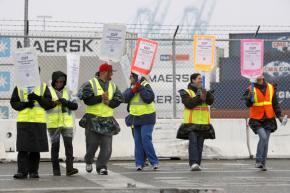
(137, 105)
(198, 115)
(101, 109)
(33, 115)
(55, 117)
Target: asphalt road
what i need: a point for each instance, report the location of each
(227, 176)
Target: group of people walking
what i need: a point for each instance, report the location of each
(50, 108)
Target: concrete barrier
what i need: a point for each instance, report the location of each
(230, 142)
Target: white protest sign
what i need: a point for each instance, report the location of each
(113, 42)
(144, 56)
(73, 68)
(26, 68)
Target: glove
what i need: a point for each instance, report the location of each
(136, 87)
(29, 104)
(33, 97)
(203, 95)
(63, 101)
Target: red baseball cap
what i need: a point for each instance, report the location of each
(105, 67)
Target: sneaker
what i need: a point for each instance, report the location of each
(139, 168)
(103, 171)
(20, 176)
(195, 167)
(33, 175)
(259, 165)
(155, 167)
(89, 168)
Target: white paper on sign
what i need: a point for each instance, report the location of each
(113, 42)
(26, 68)
(73, 68)
(145, 55)
(204, 51)
(252, 56)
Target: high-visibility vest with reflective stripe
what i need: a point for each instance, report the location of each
(36, 114)
(197, 115)
(101, 109)
(262, 105)
(137, 105)
(55, 117)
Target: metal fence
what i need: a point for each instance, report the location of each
(225, 79)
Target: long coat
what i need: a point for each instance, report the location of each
(207, 131)
(270, 124)
(31, 137)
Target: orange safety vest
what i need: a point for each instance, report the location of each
(262, 105)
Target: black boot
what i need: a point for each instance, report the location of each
(20, 176)
(69, 168)
(56, 168)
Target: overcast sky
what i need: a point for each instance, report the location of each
(229, 12)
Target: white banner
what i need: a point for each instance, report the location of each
(73, 68)
(113, 42)
(26, 68)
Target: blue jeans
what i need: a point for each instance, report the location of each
(262, 148)
(143, 142)
(195, 148)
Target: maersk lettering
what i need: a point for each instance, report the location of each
(60, 46)
(169, 78)
(166, 99)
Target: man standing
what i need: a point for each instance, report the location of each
(60, 121)
(196, 126)
(31, 128)
(101, 97)
(264, 107)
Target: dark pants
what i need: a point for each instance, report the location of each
(93, 142)
(28, 162)
(195, 148)
(67, 135)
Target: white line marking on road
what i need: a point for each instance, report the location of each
(113, 180)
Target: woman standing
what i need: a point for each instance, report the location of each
(142, 117)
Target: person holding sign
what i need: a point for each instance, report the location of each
(60, 121)
(142, 118)
(101, 97)
(31, 128)
(196, 125)
(263, 110)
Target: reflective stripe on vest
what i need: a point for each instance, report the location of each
(262, 105)
(197, 115)
(55, 117)
(36, 114)
(101, 109)
(137, 105)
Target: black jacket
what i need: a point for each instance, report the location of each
(67, 105)
(31, 137)
(207, 131)
(265, 122)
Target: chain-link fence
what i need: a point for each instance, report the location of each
(225, 79)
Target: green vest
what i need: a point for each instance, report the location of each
(55, 117)
(101, 109)
(137, 105)
(198, 115)
(33, 115)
